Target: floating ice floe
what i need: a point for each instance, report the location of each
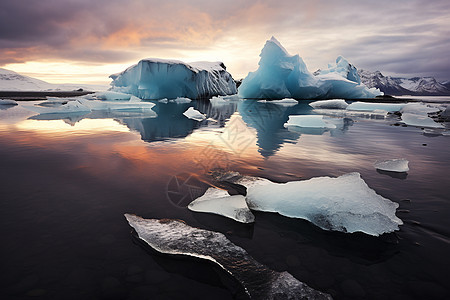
(310, 121)
(154, 78)
(287, 102)
(392, 165)
(281, 75)
(7, 102)
(84, 105)
(372, 106)
(329, 104)
(194, 114)
(420, 121)
(219, 202)
(419, 109)
(344, 203)
(177, 238)
(70, 107)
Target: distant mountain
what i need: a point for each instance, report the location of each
(12, 81)
(423, 86)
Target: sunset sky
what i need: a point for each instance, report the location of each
(81, 41)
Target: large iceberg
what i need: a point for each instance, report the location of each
(281, 75)
(177, 238)
(159, 78)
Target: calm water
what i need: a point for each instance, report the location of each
(67, 180)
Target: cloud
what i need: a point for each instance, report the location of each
(408, 37)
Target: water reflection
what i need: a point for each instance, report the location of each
(268, 119)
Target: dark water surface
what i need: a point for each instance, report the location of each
(67, 180)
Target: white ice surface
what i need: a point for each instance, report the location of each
(420, 121)
(329, 104)
(70, 107)
(287, 102)
(310, 121)
(392, 165)
(219, 202)
(372, 106)
(419, 109)
(344, 203)
(84, 105)
(194, 114)
(281, 75)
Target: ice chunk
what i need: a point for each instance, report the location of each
(177, 238)
(191, 113)
(420, 121)
(372, 106)
(312, 121)
(392, 165)
(344, 203)
(7, 102)
(287, 102)
(159, 78)
(219, 202)
(329, 104)
(181, 100)
(116, 105)
(419, 109)
(70, 107)
(281, 75)
(84, 105)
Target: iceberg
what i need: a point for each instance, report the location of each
(329, 104)
(194, 114)
(159, 78)
(220, 202)
(281, 75)
(7, 102)
(345, 203)
(420, 121)
(310, 121)
(392, 165)
(372, 106)
(177, 238)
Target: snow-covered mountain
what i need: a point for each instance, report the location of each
(404, 86)
(12, 81)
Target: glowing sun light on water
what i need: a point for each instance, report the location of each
(83, 127)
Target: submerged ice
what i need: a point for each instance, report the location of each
(177, 238)
(281, 75)
(159, 78)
